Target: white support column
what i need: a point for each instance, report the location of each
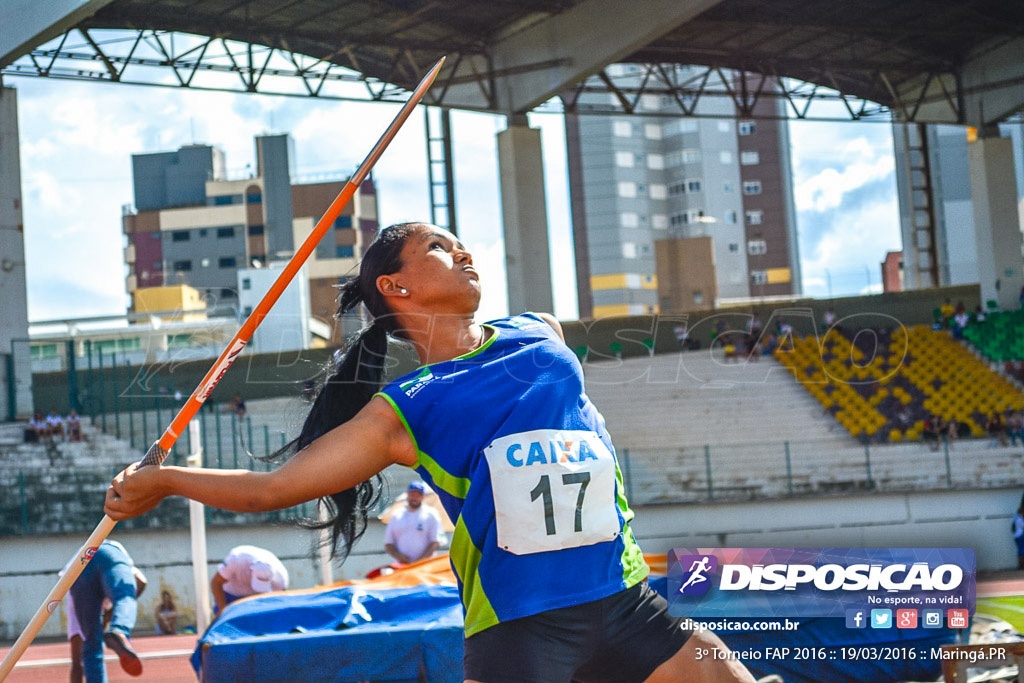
(524, 214)
(324, 550)
(996, 221)
(197, 526)
(13, 292)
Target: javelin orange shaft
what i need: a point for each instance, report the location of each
(158, 451)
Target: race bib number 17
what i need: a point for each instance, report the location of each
(553, 489)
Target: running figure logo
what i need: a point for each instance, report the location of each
(698, 567)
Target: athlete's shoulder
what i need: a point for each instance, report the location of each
(529, 321)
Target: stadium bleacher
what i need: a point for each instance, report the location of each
(1000, 337)
(882, 385)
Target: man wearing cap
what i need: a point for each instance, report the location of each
(247, 570)
(415, 532)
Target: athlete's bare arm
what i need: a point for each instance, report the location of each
(343, 457)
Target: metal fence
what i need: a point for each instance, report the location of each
(750, 471)
(64, 497)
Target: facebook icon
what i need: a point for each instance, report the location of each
(856, 618)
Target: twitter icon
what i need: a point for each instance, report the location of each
(881, 618)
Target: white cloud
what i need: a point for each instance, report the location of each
(854, 164)
(847, 257)
(826, 190)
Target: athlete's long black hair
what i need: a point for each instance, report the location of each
(349, 384)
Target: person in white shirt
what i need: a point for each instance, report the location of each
(247, 570)
(55, 424)
(415, 532)
(74, 426)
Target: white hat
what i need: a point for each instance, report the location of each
(262, 575)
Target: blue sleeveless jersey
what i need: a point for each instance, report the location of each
(523, 463)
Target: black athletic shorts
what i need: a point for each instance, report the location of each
(618, 639)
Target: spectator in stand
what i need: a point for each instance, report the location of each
(996, 428)
(947, 311)
(1015, 427)
(770, 344)
(166, 615)
(960, 321)
(828, 320)
(932, 427)
(40, 431)
(752, 348)
(237, 406)
(74, 426)
(755, 326)
(415, 532)
(31, 434)
(979, 315)
(718, 330)
(949, 432)
(1018, 534)
(247, 570)
(730, 348)
(786, 334)
(55, 425)
(682, 335)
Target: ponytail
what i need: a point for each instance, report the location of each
(350, 382)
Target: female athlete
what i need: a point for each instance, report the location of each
(497, 421)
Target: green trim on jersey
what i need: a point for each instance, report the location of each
(483, 347)
(465, 559)
(449, 483)
(634, 568)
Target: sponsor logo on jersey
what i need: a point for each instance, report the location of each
(549, 452)
(414, 385)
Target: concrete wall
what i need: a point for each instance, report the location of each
(273, 374)
(977, 519)
(880, 310)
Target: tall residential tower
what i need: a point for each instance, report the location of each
(675, 214)
(192, 225)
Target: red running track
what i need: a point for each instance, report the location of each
(164, 659)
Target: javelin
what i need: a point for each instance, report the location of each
(158, 451)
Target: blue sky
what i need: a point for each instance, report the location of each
(77, 140)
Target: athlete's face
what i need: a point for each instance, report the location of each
(415, 499)
(437, 272)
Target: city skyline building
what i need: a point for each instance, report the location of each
(191, 224)
(647, 190)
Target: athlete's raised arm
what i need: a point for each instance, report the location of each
(343, 457)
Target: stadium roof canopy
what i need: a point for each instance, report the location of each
(927, 60)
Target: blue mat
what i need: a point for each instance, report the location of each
(342, 634)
